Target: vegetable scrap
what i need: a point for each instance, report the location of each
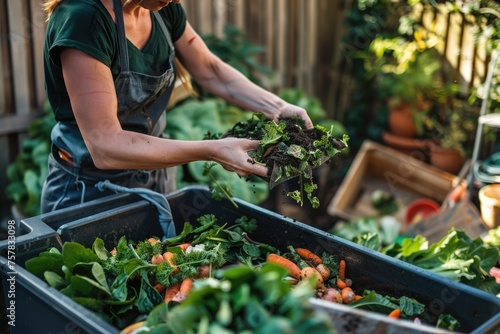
(290, 150)
(213, 276)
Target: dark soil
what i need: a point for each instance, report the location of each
(296, 132)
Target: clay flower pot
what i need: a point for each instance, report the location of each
(401, 121)
(447, 159)
(416, 148)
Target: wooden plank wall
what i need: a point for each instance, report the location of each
(302, 37)
(22, 26)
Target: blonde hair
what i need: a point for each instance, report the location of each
(49, 5)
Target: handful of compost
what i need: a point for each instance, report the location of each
(290, 150)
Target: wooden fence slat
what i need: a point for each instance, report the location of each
(18, 39)
(4, 61)
(37, 24)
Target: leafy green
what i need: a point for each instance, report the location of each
(243, 299)
(456, 256)
(290, 150)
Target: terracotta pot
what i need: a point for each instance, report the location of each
(401, 121)
(416, 148)
(447, 159)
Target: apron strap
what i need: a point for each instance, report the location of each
(122, 39)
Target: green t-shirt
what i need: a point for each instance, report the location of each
(87, 26)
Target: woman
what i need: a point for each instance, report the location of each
(109, 71)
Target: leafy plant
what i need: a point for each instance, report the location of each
(120, 284)
(456, 256)
(28, 172)
(290, 150)
(242, 300)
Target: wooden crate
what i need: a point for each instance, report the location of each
(378, 167)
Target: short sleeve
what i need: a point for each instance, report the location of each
(83, 25)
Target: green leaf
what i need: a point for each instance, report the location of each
(54, 280)
(93, 304)
(100, 250)
(46, 261)
(119, 287)
(88, 287)
(148, 297)
(74, 253)
(92, 270)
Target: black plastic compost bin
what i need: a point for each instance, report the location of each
(41, 309)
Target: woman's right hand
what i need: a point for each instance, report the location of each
(232, 155)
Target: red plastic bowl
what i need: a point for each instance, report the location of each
(423, 207)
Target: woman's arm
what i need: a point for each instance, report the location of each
(93, 99)
(226, 82)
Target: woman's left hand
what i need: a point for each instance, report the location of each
(290, 110)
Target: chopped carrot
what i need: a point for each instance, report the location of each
(348, 295)
(159, 287)
(357, 297)
(171, 291)
(396, 313)
(341, 284)
(292, 268)
(168, 256)
(204, 271)
(307, 255)
(186, 285)
(184, 246)
(342, 265)
(157, 259)
(184, 289)
(152, 241)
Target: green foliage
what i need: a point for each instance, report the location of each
(242, 300)
(456, 256)
(192, 119)
(290, 150)
(119, 287)
(28, 172)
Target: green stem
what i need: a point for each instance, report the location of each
(223, 190)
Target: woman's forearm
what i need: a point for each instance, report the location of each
(234, 87)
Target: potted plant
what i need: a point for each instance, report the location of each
(405, 70)
(451, 130)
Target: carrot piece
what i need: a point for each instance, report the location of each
(159, 287)
(342, 265)
(307, 255)
(184, 246)
(341, 284)
(152, 241)
(186, 285)
(396, 313)
(168, 256)
(348, 296)
(171, 291)
(157, 259)
(204, 271)
(292, 268)
(357, 297)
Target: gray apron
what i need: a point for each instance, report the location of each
(142, 100)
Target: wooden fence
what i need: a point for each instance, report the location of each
(302, 40)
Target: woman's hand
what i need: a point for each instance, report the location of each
(232, 155)
(290, 110)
